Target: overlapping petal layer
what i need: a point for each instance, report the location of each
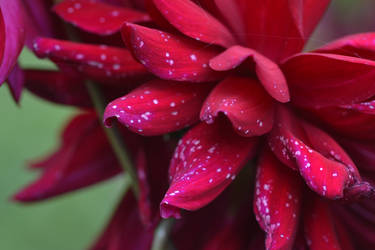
(277, 201)
(96, 61)
(171, 57)
(158, 107)
(268, 72)
(244, 102)
(206, 161)
(96, 17)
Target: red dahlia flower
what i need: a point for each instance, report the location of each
(228, 69)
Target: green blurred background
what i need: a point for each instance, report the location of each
(31, 130)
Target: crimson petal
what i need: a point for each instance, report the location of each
(195, 22)
(353, 84)
(206, 161)
(268, 72)
(158, 107)
(95, 61)
(96, 17)
(320, 228)
(244, 102)
(170, 56)
(277, 201)
(16, 81)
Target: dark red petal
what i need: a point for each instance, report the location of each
(358, 45)
(78, 165)
(319, 224)
(125, 230)
(158, 107)
(276, 29)
(277, 201)
(268, 72)
(170, 56)
(95, 61)
(195, 22)
(96, 17)
(16, 82)
(58, 87)
(206, 161)
(244, 102)
(341, 79)
(362, 152)
(12, 36)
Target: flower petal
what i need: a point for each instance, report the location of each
(277, 29)
(319, 225)
(362, 152)
(358, 45)
(195, 22)
(77, 166)
(206, 161)
(126, 229)
(353, 84)
(244, 102)
(16, 80)
(268, 72)
(170, 56)
(96, 17)
(277, 201)
(98, 62)
(12, 36)
(158, 107)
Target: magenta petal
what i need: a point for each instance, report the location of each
(98, 62)
(319, 224)
(125, 230)
(268, 72)
(206, 161)
(353, 84)
(158, 107)
(195, 22)
(12, 35)
(244, 102)
(170, 56)
(16, 81)
(75, 165)
(96, 17)
(277, 201)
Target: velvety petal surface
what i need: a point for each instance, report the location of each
(95, 61)
(277, 201)
(158, 107)
(318, 80)
(193, 21)
(268, 72)
(276, 29)
(75, 165)
(206, 161)
(97, 17)
(244, 102)
(12, 35)
(125, 230)
(171, 57)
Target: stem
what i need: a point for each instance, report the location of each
(114, 137)
(161, 236)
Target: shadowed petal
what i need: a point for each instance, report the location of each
(170, 56)
(353, 84)
(277, 201)
(195, 22)
(125, 230)
(16, 82)
(206, 161)
(96, 17)
(158, 107)
(268, 72)
(244, 102)
(95, 61)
